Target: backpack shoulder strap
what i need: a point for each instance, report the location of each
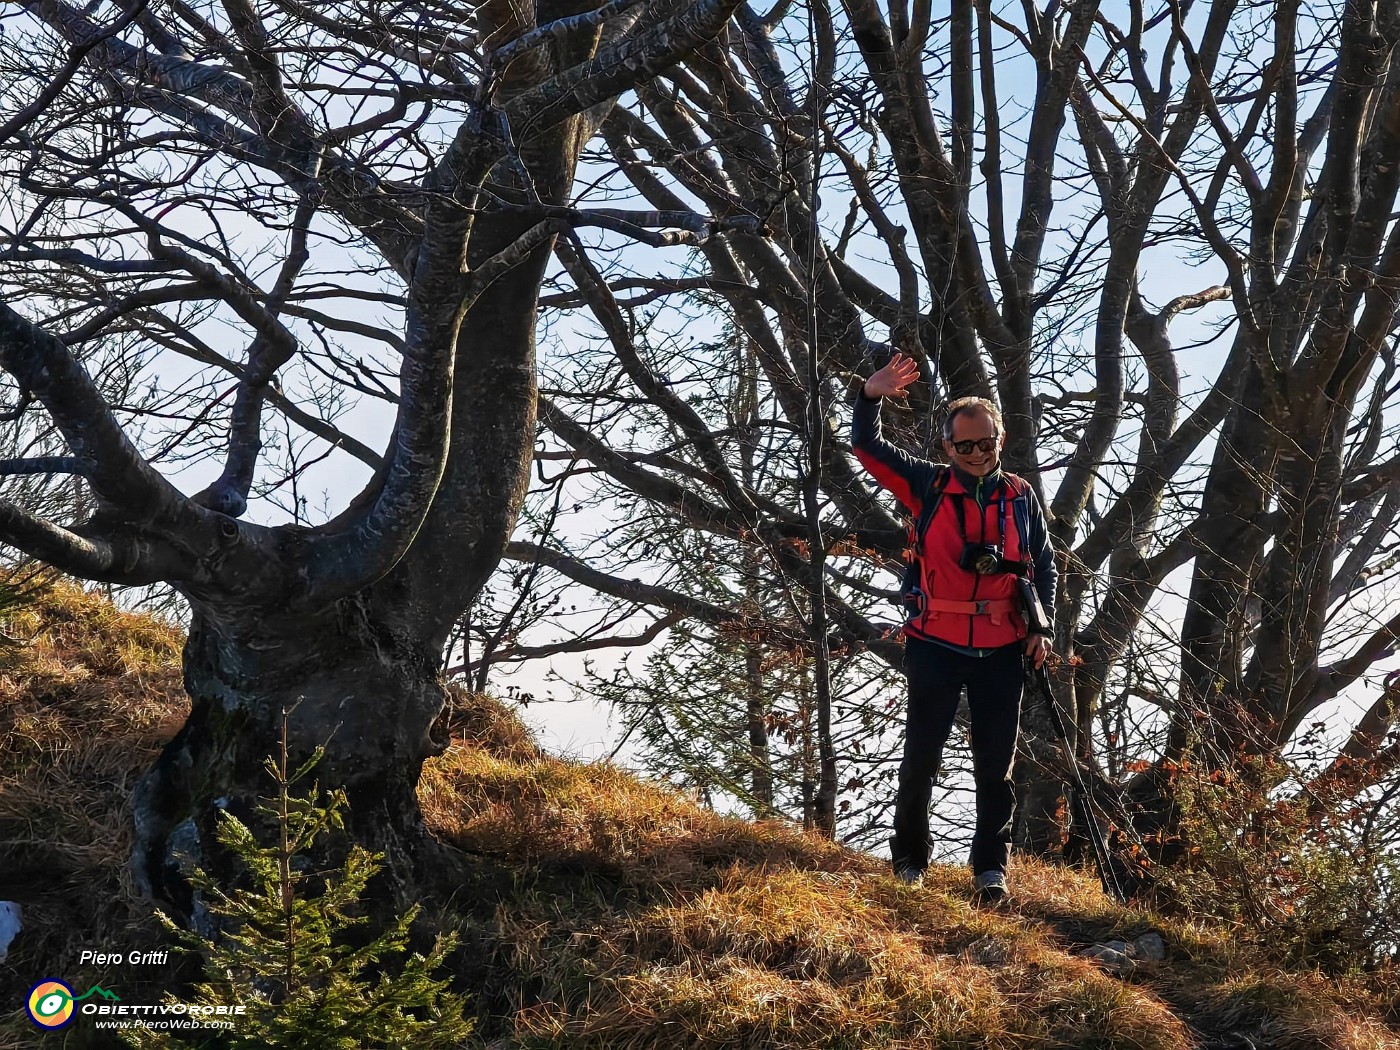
(1021, 487)
(932, 499)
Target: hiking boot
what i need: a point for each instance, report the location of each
(989, 888)
(908, 874)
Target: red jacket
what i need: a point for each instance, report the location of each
(1023, 539)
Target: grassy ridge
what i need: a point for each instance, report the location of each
(629, 917)
(88, 694)
(598, 910)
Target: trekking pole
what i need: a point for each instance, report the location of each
(1103, 860)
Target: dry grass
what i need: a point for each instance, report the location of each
(484, 723)
(778, 941)
(88, 695)
(630, 917)
(86, 700)
(547, 809)
(788, 959)
(604, 911)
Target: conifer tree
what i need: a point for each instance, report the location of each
(286, 955)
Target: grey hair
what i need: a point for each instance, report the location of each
(965, 406)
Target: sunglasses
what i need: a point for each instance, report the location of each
(964, 448)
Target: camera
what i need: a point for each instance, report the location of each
(981, 558)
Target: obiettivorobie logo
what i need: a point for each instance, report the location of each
(51, 1002)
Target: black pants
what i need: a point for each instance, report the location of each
(936, 677)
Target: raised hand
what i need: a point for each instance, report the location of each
(892, 380)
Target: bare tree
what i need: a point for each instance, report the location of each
(362, 196)
(1062, 208)
(367, 195)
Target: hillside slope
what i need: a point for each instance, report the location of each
(597, 910)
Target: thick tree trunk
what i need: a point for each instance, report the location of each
(342, 682)
(1212, 717)
(360, 677)
(336, 631)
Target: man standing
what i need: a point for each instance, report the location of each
(977, 529)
